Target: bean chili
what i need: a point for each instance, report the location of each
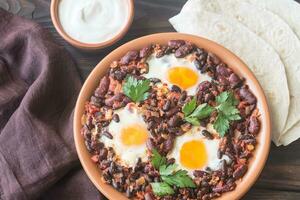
(162, 112)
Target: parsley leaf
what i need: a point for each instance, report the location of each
(162, 189)
(192, 120)
(234, 117)
(189, 107)
(221, 124)
(165, 170)
(193, 115)
(179, 179)
(169, 175)
(226, 109)
(157, 160)
(136, 89)
(227, 112)
(202, 111)
(221, 98)
(227, 97)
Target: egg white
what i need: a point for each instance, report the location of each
(158, 68)
(128, 155)
(213, 162)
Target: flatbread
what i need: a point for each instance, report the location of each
(291, 135)
(275, 32)
(288, 10)
(260, 57)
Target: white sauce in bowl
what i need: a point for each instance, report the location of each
(93, 21)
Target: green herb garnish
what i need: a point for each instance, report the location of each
(189, 107)
(136, 89)
(165, 170)
(226, 109)
(221, 124)
(157, 160)
(162, 189)
(179, 179)
(227, 112)
(169, 176)
(194, 114)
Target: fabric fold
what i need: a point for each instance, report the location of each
(39, 85)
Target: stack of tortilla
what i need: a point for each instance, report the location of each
(265, 34)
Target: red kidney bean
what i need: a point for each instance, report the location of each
(129, 56)
(247, 96)
(183, 97)
(174, 121)
(150, 144)
(118, 75)
(213, 58)
(168, 144)
(234, 80)
(107, 134)
(184, 50)
(96, 101)
(172, 111)
(145, 52)
(222, 70)
(203, 86)
(116, 98)
(207, 134)
(175, 88)
(240, 171)
(155, 80)
(104, 84)
(116, 118)
(175, 44)
(199, 173)
(254, 126)
(103, 154)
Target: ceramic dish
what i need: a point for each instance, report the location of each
(88, 46)
(256, 163)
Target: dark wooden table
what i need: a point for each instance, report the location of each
(280, 178)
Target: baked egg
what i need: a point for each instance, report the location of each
(129, 136)
(192, 151)
(176, 71)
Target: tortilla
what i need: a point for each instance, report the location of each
(260, 57)
(288, 10)
(275, 32)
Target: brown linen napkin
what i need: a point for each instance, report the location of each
(38, 89)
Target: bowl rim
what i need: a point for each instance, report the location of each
(260, 155)
(90, 46)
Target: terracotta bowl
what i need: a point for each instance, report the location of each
(262, 149)
(89, 46)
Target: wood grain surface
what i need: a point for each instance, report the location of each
(280, 178)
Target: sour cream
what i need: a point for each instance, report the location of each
(93, 21)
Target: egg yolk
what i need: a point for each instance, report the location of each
(183, 77)
(134, 135)
(193, 154)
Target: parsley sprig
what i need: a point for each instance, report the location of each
(194, 114)
(227, 112)
(136, 89)
(157, 160)
(170, 177)
(226, 109)
(162, 189)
